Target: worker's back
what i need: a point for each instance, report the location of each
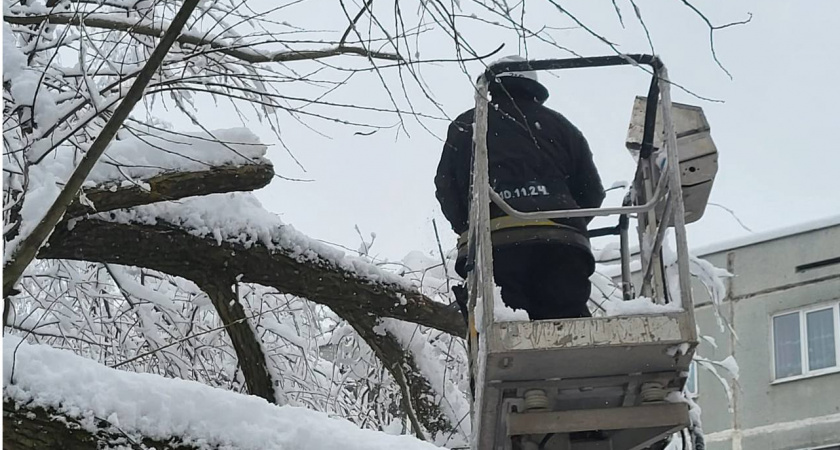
(538, 160)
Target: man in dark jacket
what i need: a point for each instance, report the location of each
(538, 161)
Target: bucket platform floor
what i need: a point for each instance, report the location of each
(594, 383)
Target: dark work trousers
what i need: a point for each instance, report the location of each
(549, 281)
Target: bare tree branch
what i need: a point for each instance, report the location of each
(239, 51)
(615, 49)
(173, 186)
(713, 28)
(354, 22)
(249, 352)
(733, 214)
(618, 13)
(638, 12)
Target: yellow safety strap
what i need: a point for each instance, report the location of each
(506, 222)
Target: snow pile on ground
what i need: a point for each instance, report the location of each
(239, 218)
(148, 405)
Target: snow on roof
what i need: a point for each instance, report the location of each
(756, 238)
(611, 267)
(610, 253)
(143, 404)
(239, 218)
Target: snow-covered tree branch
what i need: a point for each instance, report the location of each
(295, 268)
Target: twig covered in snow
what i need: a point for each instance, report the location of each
(150, 322)
(432, 363)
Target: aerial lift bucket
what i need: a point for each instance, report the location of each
(602, 382)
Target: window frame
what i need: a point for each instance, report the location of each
(802, 312)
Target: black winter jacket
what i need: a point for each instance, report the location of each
(538, 161)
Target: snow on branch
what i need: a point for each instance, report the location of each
(233, 236)
(76, 400)
(236, 240)
(147, 167)
(25, 251)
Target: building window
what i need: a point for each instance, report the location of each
(806, 342)
(822, 349)
(787, 345)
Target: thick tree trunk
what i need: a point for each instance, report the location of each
(34, 428)
(202, 260)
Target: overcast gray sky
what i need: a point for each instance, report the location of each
(776, 129)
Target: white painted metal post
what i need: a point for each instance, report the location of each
(676, 192)
(481, 277)
(480, 208)
(481, 200)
